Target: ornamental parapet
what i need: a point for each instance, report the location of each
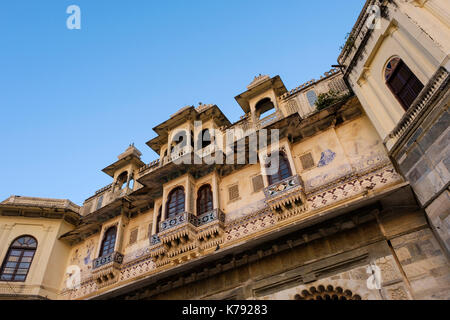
(106, 269)
(286, 198)
(185, 236)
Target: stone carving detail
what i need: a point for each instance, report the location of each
(105, 270)
(286, 198)
(328, 293)
(398, 294)
(185, 236)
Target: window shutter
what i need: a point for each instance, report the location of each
(233, 192)
(258, 183)
(404, 84)
(133, 236)
(307, 161)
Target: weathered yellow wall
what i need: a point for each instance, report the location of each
(47, 269)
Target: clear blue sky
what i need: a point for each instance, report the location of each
(72, 100)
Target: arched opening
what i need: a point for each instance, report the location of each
(204, 139)
(131, 184)
(264, 108)
(175, 202)
(17, 262)
(179, 141)
(109, 241)
(284, 169)
(122, 179)
(328, 293)
(204, 199)
(402, 82)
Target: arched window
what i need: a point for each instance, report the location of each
(175, 202)
(204, 138)
(109, 241)
(18, 260)
(264, 108)
(284, 169)
(204, 199)
(122, 179)
(402, 82)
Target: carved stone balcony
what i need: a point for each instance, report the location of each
(106, 269)
(185, 236)
(286, 198)
(210, 227)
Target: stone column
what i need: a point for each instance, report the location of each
(215, 191)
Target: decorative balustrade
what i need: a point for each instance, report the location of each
(208, 150)
(268, 120)
(115, 257)
(151, 166)
(179, 219)
(154, 240)
(211, 216)
(176, 154)
(282, 187)
(187, 217)
(418, 108)
(104, 189)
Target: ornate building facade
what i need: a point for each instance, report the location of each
(357, 208)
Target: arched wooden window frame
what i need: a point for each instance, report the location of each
(204, 199)
(402, 82)
(284, 169)
(176, 202)
(109, 241)
(18, 259)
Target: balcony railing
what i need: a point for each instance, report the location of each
(268, 120)
(179, 219)
(209, 217)
(151, 166)
(107, 259)
(283, 186)
(187, 217)
(154, 240)
(103, 189)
